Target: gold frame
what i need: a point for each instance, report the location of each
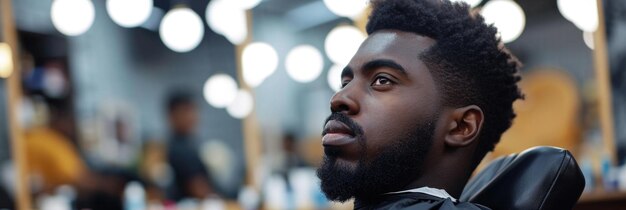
(601, 64)
(14, 97)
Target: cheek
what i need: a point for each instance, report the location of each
(387, 120)
(382, 124)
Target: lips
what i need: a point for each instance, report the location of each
(337, 133)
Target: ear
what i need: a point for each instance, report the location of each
(464, 126)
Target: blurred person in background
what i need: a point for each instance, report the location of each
(117, 148)
(426, 96)
(154, 170)
(54, 160)
(292, 157)
(191, 178)
(52, 154)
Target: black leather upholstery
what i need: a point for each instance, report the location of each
(539, 178)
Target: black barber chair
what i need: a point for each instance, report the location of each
(540, 178)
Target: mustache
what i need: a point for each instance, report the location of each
(343, 118)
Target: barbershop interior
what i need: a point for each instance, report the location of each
(221, 104)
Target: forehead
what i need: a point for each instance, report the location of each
(402, 47)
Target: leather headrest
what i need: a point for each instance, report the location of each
(538, 178)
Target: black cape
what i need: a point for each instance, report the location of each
(415, 201)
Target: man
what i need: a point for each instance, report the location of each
(51, 154)
(426, 96)
(191, 177)
(55, 160)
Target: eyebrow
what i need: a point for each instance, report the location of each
(379, 63)
(373, 65)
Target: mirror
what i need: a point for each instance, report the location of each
(616, 47)
(239, 93)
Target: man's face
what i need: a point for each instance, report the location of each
(383, 119)
(184, 118)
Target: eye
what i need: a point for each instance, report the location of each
(344, 83)
(381, 80)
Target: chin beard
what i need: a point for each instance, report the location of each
(394, 168)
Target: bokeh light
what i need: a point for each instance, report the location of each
(507, 16)
(342, 43)
(304, 63)
(334, 77)
(72, 17)
(6, 60)
(225, 17)
(220, 90)
(259, 61)
(181, 29)
(241, 106)
(583, 13)
(129, 13)
(246, 4)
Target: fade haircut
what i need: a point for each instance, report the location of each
(469, 63)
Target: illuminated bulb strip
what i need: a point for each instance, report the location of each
(507, 16)
(181, 29)
(72, 17)
(6, 60)
(129, 13)
(304, 63)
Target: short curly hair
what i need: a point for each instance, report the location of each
(469, 63)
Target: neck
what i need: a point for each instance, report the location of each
(452, 184)
(451, 179)
(450, 175)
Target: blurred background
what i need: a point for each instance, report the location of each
(219, 104)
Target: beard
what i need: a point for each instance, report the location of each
(391, 170)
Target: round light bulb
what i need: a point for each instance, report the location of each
(567, 8)
(72, 17)
(304, 63)
(259, 61)
(334, 77)
(129, 13)
(225, 17)
(220, 90)
(342, 43)
(507, 16)
(587, 16)
(241, 106)
(583, 13)
(346, 8)
(181, 29)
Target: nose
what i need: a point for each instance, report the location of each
(345, 101)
